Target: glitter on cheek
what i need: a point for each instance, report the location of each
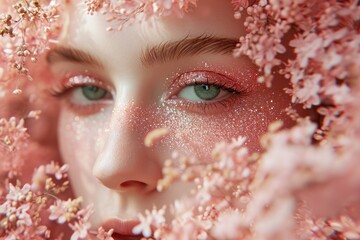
(82, 134)
(249, 116)
(196, 134)
(81, 139)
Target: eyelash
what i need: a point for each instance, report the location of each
(62, 88)
(199, 107)
(206, 107)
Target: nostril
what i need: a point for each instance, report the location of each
(133, 184)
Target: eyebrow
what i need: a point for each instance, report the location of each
(64, 53)
(160, 53)
(203, 44)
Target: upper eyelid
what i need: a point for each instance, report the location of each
(64, 86)
(230, 83)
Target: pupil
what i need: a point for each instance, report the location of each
(206, 91)
(206, 87)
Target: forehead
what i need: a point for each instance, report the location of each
(211, 17)
(121, 51)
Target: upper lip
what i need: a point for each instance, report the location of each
(121, 228)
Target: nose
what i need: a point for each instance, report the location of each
(125, 164)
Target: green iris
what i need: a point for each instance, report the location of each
(206, 91)
(93, 93)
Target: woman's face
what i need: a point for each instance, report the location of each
(172, 73)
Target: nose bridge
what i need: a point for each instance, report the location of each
(125, 163)
(132, 117)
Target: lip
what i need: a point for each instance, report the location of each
(122, 229)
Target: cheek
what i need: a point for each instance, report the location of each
(198, 134)
(80, 141)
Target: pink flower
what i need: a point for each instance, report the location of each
(211, 185)
(230, 225)
(340, 94)
(85, 213)
(13, 133)
(332, 59)
(17, 194)
(229, 155)
(54, 169)
(154, 218)
(144, 227)
(59, 211)
(23, 215)
(81, 230)
(19, 214)
(330, 115)
(307, 47)
(64, 211)
(42, 230)
(308, 93)
(103, 235)
(240, 3)
(349, 228)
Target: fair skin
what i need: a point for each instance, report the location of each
(101, 132)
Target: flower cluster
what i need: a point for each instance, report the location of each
(13, 137)
(18, 214)
(26, 211)
(264, 196)
(324, 38)
(26, 27)
(125, 12)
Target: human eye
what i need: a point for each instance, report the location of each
(204, 92)
(83, 94)
(207, 92)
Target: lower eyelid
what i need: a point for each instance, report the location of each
(84, 107)
(215, 107)
(87, 109)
